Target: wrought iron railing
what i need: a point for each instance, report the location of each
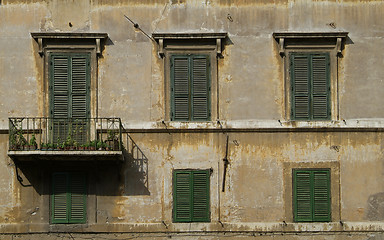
(42, 133)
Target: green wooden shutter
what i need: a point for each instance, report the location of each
(68, 199)
(180, 89)
(70, 87)
(190, 88)
(59, 198)
(182, 203)
(321, 196)
(302, 196)
(200, 88)
(77, 198)
(80, 86)
(311, 194)
(310, 75)
(320, 87)
(300, 86)
(200, 211)
(60, 78)
(191, 196)
(80, 97)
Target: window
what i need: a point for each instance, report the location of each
(69, 75)
(310, 86)
(68, 199)
(70, 80)
(190, 88)
(191, 196)
(311, 62)
(311, 195)
(190, 63)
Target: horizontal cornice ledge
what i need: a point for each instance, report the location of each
(69, 35)
(278, 35)
(157, 36)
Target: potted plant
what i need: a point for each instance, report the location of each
(50, 146)
(44, 146)
(22, 141)
(32, 143)
(81, 147)
(100, 145)
(92, 145)
(86, 146)
(69, 143)
(113, 140)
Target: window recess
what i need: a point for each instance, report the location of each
(311, 74)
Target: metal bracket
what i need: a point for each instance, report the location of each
(98, 48)
(40, 42)
(161, 47)
(281, 47)
(218, 46)
(338, 45)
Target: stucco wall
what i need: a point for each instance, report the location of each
(263, 145)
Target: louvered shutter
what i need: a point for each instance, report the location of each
(310, 75)
(59, 198)
(79, 97)
(60, 86)
(320, 87)
(300, 87)
(321, 196)
(312, 198)
(180, 89)
(200, 205)
(302, 196)
(68, 199)
(70, 83)
(77, 198)
(80, 76)
(182, 210)
(60, 93)
(200, 88)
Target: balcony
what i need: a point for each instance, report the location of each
(43, 138)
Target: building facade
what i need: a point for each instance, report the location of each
(191, 119)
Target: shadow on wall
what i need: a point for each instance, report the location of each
(375, 209)
(136, 172)
(377, 236)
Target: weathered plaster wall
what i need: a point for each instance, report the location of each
(131, 75)
(130, 85)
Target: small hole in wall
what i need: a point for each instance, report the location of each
(70, 24)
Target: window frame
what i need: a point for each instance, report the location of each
(92, 92)
(70, 55)
(191, 116)
(68, 196)
(312, 199)
(302, 163)
(331, 43)
(192, 47)
(192, 187)
(310, 55)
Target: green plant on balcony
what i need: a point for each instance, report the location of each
(100, 145)
(69, 143)
(32, 143)
(14, 145)
(113, 140)
(92, 145)
(22, 141)
(51, 146)
(44, 146)
(86, 146)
